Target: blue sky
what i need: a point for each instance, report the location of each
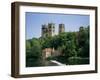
(34, 21)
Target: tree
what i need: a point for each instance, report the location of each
(47, 42)
(28, 45)
(70, 49)
(72, 45)
(34, 55)
(83, 42)
(55, 42)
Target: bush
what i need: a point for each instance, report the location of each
(77, 60)
(33, 62)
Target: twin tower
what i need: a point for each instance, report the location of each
(49, 30)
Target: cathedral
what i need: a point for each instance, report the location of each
(49, 30)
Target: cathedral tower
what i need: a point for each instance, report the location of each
(51, 29)
(61, 28)
(44, 30)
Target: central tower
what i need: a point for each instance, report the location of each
(48, 30)
(51, 29)
(61, 28)
(44, 30)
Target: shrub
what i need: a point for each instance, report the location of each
(77, 60)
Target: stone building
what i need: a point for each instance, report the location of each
(51, 29)
(44, 30)
(48, 52)
(48, 30)
(61, 28)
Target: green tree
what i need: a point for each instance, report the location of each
(34, 55)
(47, 42)
(83, 42)
(70, 49)
(28, 45)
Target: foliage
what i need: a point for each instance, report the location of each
(74, 47)
(77, 60)
(33, 54)
(83, 42)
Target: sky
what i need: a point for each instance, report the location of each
(34, 22)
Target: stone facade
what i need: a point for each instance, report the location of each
(61, 28)
(48, 52)
(49, 30)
